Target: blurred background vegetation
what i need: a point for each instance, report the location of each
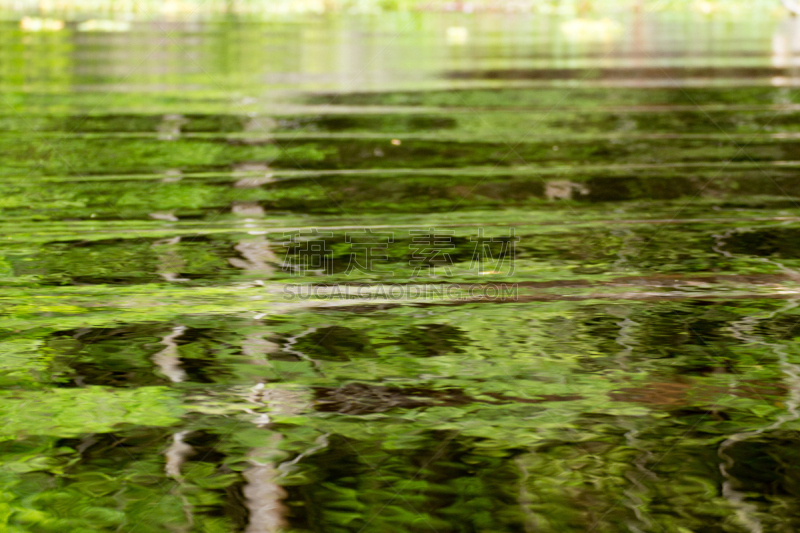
(133, 8)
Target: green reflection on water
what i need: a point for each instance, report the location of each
(165, 367)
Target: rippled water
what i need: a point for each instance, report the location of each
(580, 312)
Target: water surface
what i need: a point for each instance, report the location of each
(172, 360)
